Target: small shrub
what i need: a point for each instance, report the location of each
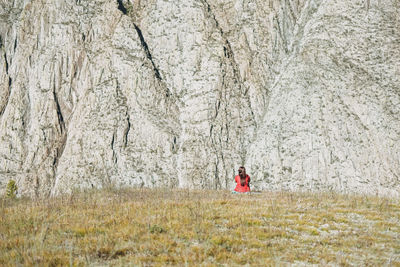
(12, 189)
(156, 229)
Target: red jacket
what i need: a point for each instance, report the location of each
(239, 187)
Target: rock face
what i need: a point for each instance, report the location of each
(304, 93)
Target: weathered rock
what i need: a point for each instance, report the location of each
(333, 119)
(165, 93)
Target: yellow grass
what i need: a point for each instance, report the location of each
(143, 227)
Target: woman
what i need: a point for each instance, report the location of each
(242, 181)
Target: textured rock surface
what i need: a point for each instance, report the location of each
(333, 119)
(180, 93)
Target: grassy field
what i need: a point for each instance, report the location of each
(140, 227)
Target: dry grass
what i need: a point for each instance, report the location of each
(207, 228)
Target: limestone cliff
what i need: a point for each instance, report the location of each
(305, 93)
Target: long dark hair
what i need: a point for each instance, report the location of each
(242, 174)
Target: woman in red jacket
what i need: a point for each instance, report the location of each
(242, 181)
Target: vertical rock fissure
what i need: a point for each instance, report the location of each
(150, 57)
(217, 181)
(122, 7)
(121, 96)
(6, 62)
(114, 154)
(147, 51)
(60, 142)
(7, 97)
(127, 129)
(15, 44)
(60, 117)
(144, 44)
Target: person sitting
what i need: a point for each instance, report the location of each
(242, 181)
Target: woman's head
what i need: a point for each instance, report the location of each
(242, 171)
(242, 174)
